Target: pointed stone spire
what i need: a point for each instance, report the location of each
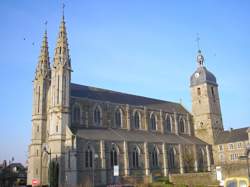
(43, 66)
(62, 51)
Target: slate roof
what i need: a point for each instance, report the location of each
(234, 135)
(136, 136)
(94, 93)
(205, 76)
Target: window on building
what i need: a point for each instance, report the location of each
(97, 116)
(89, 157)
(76, 114)
(118, 118)
(135, 158)
(154, 158)
(201, 161)
(231, 146)
(153, 122)
(113, 157)
(171, 159)
(182, 126)
(212, 91)
(233, 156)
(56, 128)
(198, 91)
(220, 147)
(38, 103)
(37, 128)
(137, 120)
(58, 85)
(167, 124)
(239, 145)
(221, 157)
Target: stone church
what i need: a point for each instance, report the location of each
(89, 130)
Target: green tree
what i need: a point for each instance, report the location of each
(53, 174)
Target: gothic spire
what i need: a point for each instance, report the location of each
(62, 51)
(43, 66)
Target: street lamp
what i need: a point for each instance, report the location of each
(93, 174)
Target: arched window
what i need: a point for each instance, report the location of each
(167, 124)
(171, 159)
(118, 118)
(201, 161)
(182, 126)
(97, 116)
(152, 122)
(89, 157)
(135, 158)
(76, 114)
(113, 157)
(154, 157)
(137, 120)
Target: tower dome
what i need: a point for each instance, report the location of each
(202, 75)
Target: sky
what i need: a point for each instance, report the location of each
(143, 47)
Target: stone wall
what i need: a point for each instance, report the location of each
(234, 170)
(192, 179)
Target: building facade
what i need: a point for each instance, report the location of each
(89, 130)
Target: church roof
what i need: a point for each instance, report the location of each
(136, 136)
(201, 76)
(83, 91)
(234, 135)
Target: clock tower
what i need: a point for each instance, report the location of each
(205, 103)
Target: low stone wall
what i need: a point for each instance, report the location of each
(234, 170)
(136, 180)
(194, 179)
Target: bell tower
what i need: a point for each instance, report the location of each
(41, 86)
(59, 110)
(205, 103)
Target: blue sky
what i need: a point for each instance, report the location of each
(142, 47)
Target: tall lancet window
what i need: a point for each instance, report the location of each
(64, 89)
(118, 118)
(76, 114)
(38, 100)
(154, 158)
(137, 120)
(153, 122)
(58, 84)
(171, 159)
(135, 158)
(97, 116)
(89, 157)
(201, 159)
(167, 124)
(113, 156)
(182, 126)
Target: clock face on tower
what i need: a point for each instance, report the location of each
(196, 75)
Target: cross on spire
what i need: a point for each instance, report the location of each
(198, 41)
(63, 6)
(46, 24)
